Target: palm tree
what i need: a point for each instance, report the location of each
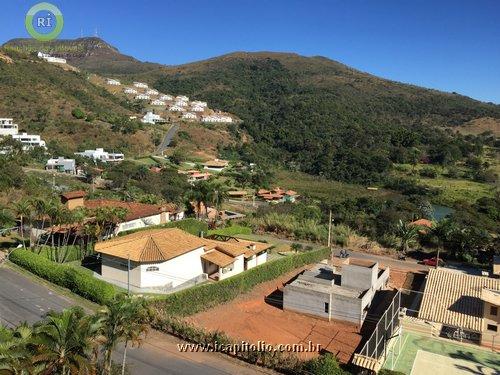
(22, 210)
(66, 342)
(200, 193)
(123, 319)
(15, 356)
(408, 234)
(6, 217)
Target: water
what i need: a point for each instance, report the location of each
(440, 212)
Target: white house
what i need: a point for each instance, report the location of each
(113, 82)
(130, 90)
(157, 102)
(141, 85)
(7, 126)
(197, 103)
(216, 165)
(142, 97)
(176, 108)
(29, 140)
(151, 92)
(197, 108)
(170, 258)
(217, 118)
(61, 164)
(100, 154)
(189, 116)
(182, 98)
(166, 97)
(152, 118)
(52, 59)
(181, 103)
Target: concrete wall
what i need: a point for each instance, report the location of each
(262, 258)
(139, 223)
(116, 269)
(237, 267)
(490, 338)
(347, 308)
(359, 277)
(251, 262)
(306, 301)
(175, 271)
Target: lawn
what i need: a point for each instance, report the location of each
(321, 188)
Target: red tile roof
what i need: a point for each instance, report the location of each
(74, 194)
(422, 222)
(135, 210)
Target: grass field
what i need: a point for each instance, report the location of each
(321, 188)
(453, 190)
(458, 356)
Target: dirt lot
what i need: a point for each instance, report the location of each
(251, 319)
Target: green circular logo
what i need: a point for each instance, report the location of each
(44, 21)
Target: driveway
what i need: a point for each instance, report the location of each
(23, 299)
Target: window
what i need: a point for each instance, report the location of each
(327, 307)
(227, 269)
(492, 327)
(493, 310)
(152, 269)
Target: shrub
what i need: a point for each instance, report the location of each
(428, 172)
(191, 301)
(324, 365)
(68, 277)
(78, 113)
(232, 230)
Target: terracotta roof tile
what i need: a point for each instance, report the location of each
(135, 210)
(219, 258)
(74, 194)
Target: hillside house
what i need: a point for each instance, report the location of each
(130, 90)
(138, 215)
(101, 155)
(152, 118)
(157, 102)
(198, 103)
(166, 97)
(455, 299)
(171, 258)
(189, 116)
(328, 293)
(176, 108)
(142, 97)
(113, 82)
(29, 140)
(141, 85)
(278, 195)
(180, 103)
(197, 109)
(62, 165)
(51, 59)
(217, 118)
(151, 92)
(216, 165)
(182, 98)
(7, 127)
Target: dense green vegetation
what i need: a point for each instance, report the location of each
(190, 301)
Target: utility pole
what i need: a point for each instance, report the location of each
(330, 228)
(128, 275)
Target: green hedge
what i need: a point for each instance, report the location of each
(193, 300)
(74, 279)
(192, 226)
(232, 230)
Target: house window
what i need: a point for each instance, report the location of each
(493, 310)
(492, 327)
(327, 307)
(227, 269)
(152, 269)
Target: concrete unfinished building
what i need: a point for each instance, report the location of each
(329, 293)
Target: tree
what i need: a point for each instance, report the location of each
(15, 355)
(22, 210)
(66, 342)
(408, 234)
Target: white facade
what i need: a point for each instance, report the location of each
(142, 222)
(197, 109)
(113, 82)
(189, 116)
(100, 154)
(157, 102)
(52, 59)
(166, 97)
(217, 118)
(141, 85)
(151, 92)
(142, 97)
(130, 90)
(182, 98)
(197, 103)
(7, 126)
(61, 164)
(233, 269)
(152, 118)
(176, 108)
(29, 140)
(181, 103)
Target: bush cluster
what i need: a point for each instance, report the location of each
(74, 279)
(193, 300)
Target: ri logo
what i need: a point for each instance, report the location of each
(44, 21)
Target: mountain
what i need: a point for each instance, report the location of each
(310, 113)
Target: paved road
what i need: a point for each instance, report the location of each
(168, 138)
(22, 299)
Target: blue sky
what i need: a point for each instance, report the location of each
(442, 44)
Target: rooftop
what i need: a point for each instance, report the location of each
(454, 298)
(135, 210)
(73, 194)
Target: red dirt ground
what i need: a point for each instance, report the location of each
(251, 319)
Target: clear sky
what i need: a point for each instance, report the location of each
(451, 45)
